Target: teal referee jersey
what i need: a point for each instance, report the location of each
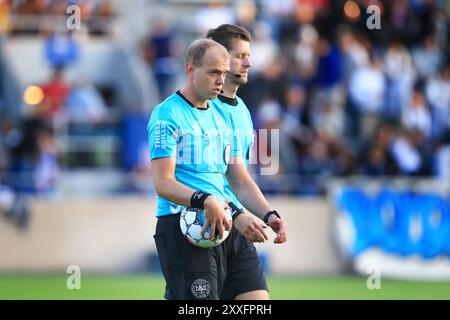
(199, 139)
(242, 127)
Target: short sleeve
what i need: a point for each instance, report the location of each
(162, 133)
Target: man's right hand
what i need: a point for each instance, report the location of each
(250, 228)
(215, 216)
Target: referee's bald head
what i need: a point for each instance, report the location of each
(198, 48)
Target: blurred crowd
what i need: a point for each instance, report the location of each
(30, 152)
(39, 16)
(347, 99)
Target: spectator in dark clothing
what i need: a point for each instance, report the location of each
(159, 52)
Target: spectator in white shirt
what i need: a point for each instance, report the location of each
(366, 89)
(417, 115)
(437, 92)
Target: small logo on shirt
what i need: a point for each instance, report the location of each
(175, 208)
(219, 123)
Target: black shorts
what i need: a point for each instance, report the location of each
(221, 272)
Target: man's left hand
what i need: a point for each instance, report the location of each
(279, 227)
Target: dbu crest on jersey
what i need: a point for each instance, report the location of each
(200, 288)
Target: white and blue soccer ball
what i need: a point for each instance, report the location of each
(191, 223)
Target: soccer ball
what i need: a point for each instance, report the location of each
(191, 223)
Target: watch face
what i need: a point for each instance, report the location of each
(267, 216)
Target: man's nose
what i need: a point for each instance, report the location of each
(221, 79)
(247, 62)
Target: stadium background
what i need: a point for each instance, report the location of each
(363, 118)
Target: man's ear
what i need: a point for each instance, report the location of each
(189, 68)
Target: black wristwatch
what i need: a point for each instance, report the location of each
(235, 210)
(268, 214)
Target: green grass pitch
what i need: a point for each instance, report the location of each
(147, 286)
